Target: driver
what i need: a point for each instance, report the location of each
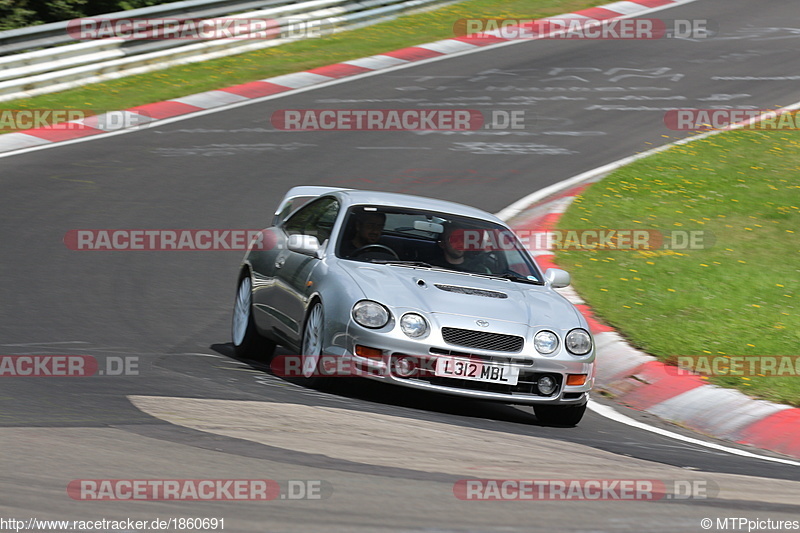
(368, 230)
(453, 253)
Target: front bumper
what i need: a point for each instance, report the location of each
(393, 346)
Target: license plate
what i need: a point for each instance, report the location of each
(451, 367)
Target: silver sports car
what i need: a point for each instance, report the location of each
(416, 292)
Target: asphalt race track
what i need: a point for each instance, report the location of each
(386, 458)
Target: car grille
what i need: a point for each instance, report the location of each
(471, 291)
(483, 340)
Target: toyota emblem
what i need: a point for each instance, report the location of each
(482, 323)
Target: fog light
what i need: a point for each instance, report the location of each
(576, 379)
(546, 385)
(405, 366)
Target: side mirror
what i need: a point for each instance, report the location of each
(304, 244)
(557, 278)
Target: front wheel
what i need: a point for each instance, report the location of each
(313, 335)
(559, 415)
(247, 342)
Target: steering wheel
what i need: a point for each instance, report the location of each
(376, 247)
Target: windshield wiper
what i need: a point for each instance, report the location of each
(403, 263)
(519, 278)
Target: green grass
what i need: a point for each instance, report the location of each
(198, 77)
(737, 297)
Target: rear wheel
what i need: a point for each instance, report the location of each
(247, 342)
(559, 415)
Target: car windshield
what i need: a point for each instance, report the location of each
(415, 238)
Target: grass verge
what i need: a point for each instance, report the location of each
(198, 77)
(737, 295)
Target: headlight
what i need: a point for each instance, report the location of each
(370, 314)
(413, 325)
(578, 342)
(545, 342)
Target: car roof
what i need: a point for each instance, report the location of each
(390, 199)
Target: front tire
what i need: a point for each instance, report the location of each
(559, 415)
(247, 342)
(313, 341)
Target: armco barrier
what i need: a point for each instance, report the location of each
(59, 68)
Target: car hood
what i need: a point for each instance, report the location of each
(454, 293)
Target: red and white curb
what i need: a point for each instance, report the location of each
(41, 137)
(644, 383)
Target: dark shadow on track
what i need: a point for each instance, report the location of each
(593, 431)
(368, 390)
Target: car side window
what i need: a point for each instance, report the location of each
(316, 218)
(291, 205)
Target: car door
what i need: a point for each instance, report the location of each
(293, 269)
